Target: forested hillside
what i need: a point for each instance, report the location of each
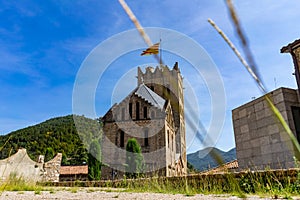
(56, 135)
(202, 159)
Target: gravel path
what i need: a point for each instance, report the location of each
(84, 193)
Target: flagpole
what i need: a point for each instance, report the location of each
(160, 53)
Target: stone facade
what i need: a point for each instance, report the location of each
(51, 169)
(154, 116)
(169, 85)
(261, 141)
(21, 165)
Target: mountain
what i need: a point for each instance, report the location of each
(202, 159)
(56, 135)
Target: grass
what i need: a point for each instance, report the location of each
(37, 192)
(91, 190)
(73, 189)
(14, 183)
(276, 184)
(269, 183)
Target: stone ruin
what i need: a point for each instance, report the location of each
(21, 165)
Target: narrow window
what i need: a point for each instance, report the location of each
(172, 143)
(168, 89)
(122, 139)
(146, 140)
(116, 140)
(168, 138)
(130, 110)
(123, 113)
(137, 110)
(145, 112)
(152, 115)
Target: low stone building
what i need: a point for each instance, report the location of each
(73, 173)
(261, 141)
(20, 165)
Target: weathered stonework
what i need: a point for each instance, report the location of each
(153, 114)
(52, 169)
(21, 165)
(260, 139)
(169, 85)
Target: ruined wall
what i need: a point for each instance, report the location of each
(21, 165)
(261, 141)
(52, 169)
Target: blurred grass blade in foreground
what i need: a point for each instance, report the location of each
(252, 69)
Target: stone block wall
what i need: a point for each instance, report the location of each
(261, 141)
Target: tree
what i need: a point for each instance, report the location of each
(80, 157)
(134, 159)
(49, 154)
(94, 161)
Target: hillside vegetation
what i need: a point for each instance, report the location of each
(56, 135)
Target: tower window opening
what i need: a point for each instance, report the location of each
(130, 110)
(122, 139)
(146, 138)
(137, 110)
(145, 112)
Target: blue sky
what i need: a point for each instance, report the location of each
(43, 44)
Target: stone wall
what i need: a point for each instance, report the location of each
(261, 141)
(52, 169)
(20, 165)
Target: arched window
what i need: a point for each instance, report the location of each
(130, 110)
(122, 139)
(137, 110)
(168, 134)
(146, 138)
(172, 143)
(145, 112)
(168, 90)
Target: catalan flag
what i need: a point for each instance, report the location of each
(154, 49)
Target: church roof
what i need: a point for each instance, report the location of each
(151, 97)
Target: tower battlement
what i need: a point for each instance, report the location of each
(151, 74)
(168, 83)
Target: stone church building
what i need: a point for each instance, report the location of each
(153, 114)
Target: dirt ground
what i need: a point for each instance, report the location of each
(90, 193)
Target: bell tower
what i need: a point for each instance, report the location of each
(169, 85)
